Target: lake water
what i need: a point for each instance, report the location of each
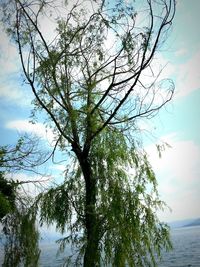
(186, 242)
(186, 253)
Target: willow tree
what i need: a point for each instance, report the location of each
(90, 66)
(19, 234)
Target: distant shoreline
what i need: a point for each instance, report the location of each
(184, 223)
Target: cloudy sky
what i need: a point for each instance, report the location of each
(178, 170)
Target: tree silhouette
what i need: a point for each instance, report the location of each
(93, 76)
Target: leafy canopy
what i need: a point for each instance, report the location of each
(130, 231)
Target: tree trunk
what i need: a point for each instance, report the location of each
(91, 257)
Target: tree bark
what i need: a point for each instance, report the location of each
(91, 257)
(91, 253)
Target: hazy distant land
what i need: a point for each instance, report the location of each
(185, 223)
(194, 223)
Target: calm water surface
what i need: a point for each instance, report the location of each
(186, 253)
(186, 242)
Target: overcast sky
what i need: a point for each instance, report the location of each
(178, 124)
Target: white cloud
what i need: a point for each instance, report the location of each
(185, 75)
(11, 92)
(188, 76)
(10, 87)
(9, 55)
(181, 52)
(38, 129)
(33, 184)
(59, 167)
(178, 176)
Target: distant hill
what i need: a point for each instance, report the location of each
(193, 223)
(180, 223)
(184, 223)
